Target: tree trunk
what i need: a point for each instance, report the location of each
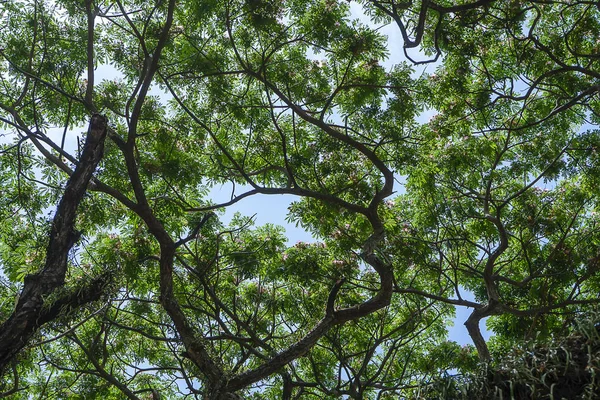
(30, 313)
(472, 325)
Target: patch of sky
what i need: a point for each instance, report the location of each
(267, 209)
(395, 43)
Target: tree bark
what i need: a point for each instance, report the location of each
(30, 313)
(472, 325)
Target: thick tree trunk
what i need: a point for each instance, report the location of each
(30, 313)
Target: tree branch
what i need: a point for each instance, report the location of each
(29, 313)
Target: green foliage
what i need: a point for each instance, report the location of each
(471, 181)
(561, 367)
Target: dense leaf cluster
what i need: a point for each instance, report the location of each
(466, 175)
(562, 367)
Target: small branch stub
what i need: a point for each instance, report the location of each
(332, 295)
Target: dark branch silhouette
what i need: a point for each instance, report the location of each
(31, 311)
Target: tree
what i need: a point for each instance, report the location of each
(496, 194)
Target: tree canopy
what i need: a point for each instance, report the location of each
(467, 175)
